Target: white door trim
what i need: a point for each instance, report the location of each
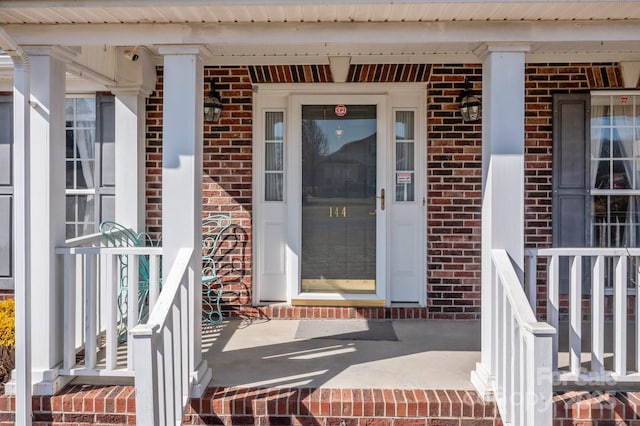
(295, 193)
(290, 97)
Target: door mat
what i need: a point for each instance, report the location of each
(346, 330)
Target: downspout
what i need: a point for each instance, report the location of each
(21, 238)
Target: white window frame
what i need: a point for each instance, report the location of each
(99, 189)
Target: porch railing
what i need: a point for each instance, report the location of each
(162, 354)
(92, 322)
(599, 282)
(522, 350)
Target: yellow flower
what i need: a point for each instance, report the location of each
(7, 323)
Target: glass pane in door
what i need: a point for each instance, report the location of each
(339, 198)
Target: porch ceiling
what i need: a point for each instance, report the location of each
(229, 11)
(261, 32)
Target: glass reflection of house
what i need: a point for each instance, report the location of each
(344, 173)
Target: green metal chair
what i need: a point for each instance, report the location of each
(213, 227)
(118, 235)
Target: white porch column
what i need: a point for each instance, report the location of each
(136, 81)
(22, 383)
(182, 182)
(502, 181)
(130, 158)
(47, 204)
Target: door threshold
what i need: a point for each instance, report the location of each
(343, 303)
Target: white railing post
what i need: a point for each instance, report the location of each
(539, 374)
(148, 404)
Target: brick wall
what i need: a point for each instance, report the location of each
(454, 185)
(454, 161)
(227, 175)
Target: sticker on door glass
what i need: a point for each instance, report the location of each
(403, 177)
(341, 110)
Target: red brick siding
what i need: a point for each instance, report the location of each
(389, 73)
(227, 175)
(454, 170)
(454, 184)
(322, 73)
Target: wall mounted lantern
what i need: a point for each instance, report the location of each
(212, 104)
(469, 105)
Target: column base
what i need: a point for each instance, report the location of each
(483, 381)
(201, 378)
(45, 383)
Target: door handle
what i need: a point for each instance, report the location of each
(381, 199)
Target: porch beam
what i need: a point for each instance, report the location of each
(182, 184)
(274, 33)
(502, 181)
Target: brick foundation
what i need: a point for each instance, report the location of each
(110, 405)
(115, 405)
(328, 312)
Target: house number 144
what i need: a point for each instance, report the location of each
(337, 212)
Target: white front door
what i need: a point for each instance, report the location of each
(339, 198)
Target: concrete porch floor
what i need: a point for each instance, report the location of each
(429, 354)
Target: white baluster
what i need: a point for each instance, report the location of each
(111, 264)
(620, 315)
(69, 332)
(132, 301)
(575, 314)
(597, 316)
(553, 301)
(91, 312)
(532, 280)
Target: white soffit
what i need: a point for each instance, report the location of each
(202, 11)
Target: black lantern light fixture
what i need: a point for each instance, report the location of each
(469, 105)
(212, 104)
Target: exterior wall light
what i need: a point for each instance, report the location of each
(212, 104)
(469, 105)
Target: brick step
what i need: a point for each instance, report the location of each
(83, 405)
(281, 311)
(110, 405)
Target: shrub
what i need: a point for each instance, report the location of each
(7, 323)
(7, 339)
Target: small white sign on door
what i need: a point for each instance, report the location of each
(403, 177)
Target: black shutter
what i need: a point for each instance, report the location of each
(6, 192)
(571, 198)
